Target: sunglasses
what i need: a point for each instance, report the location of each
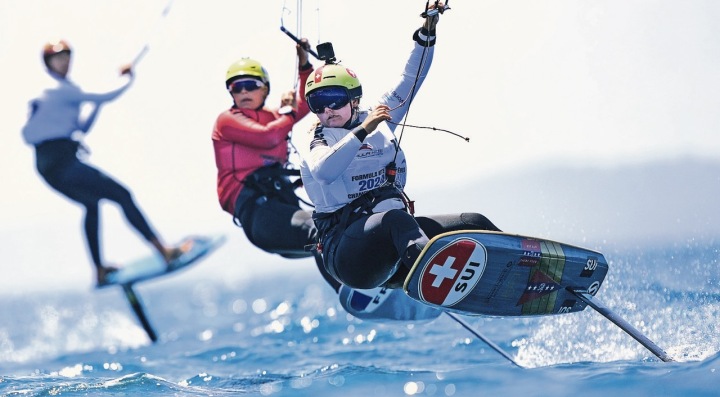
(248, 85)
(331, 97)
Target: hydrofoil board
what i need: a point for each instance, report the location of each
(499, 274)
(154, 266)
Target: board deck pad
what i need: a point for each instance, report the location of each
(499, 274)
(384, 304)
(154, 266)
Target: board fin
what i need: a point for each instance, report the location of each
(622, 323)
(136, 305)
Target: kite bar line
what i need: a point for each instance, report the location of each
(139, 311)
(146, 47)
(620, 322)
(483, 338)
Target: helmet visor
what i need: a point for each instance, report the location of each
(248, 85)
(331, 97)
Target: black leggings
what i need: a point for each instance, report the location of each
(58, 164)
(281, 228)
(366, 254)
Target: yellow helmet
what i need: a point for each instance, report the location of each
(332, 75)
(246, 67)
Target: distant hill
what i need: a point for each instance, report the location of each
(660, 201)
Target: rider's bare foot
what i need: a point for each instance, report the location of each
(171, 254)
(102, 273)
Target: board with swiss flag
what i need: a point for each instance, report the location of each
(500, 274)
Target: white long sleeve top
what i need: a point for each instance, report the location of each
(55, 113)
(340, 168)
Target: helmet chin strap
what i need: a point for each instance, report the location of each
(354, 120)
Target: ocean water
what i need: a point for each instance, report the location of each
(285, 334)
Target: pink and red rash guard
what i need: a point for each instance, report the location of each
(247, 139)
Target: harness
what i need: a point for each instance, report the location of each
(331, 223)
(270, 182)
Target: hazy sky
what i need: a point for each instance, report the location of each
(598, 83)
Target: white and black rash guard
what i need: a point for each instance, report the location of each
(340, 168)
(55, 114)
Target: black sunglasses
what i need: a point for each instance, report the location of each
(248, 85)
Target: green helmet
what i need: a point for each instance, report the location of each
(246, 67)
(334, 76)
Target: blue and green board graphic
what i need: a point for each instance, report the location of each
(501, 274)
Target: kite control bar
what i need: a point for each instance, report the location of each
(436, 10)
(297, 40)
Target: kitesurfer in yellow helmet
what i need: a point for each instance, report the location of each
(355, 173)
(251, 153)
